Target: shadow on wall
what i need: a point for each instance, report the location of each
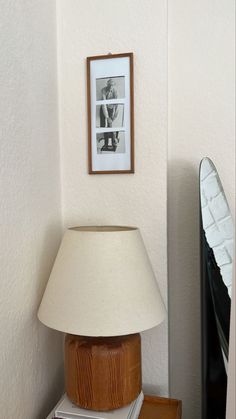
(55, 388)
(50, 245)
(50, 342)
(184, 286)
(154, 378)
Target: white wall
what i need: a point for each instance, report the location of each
(91, 28)
(201, 123)
(30, 355)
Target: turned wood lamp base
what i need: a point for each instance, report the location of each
(102, 373)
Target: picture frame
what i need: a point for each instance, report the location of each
(110, 96)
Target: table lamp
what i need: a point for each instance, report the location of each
(102, 292)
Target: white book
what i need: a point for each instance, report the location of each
(134, 413)
(67, 410)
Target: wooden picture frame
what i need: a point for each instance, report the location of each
(110, 96)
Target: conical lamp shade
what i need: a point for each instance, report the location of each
(102, 284)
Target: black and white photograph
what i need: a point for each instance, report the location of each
(111, 142)
(110, 88)
(110, 114)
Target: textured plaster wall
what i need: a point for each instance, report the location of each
(201, 123)
(87, 28)
(30, 218)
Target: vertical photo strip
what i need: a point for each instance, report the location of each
(110, 114)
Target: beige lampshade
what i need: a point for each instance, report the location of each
(102, 284)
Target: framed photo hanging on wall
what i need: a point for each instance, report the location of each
(110, 113)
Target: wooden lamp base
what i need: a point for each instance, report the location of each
(102, 373)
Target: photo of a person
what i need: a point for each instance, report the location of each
(118, 148)
(108, 113)
(106, 92)
(117, 122)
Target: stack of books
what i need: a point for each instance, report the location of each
(65, 409)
